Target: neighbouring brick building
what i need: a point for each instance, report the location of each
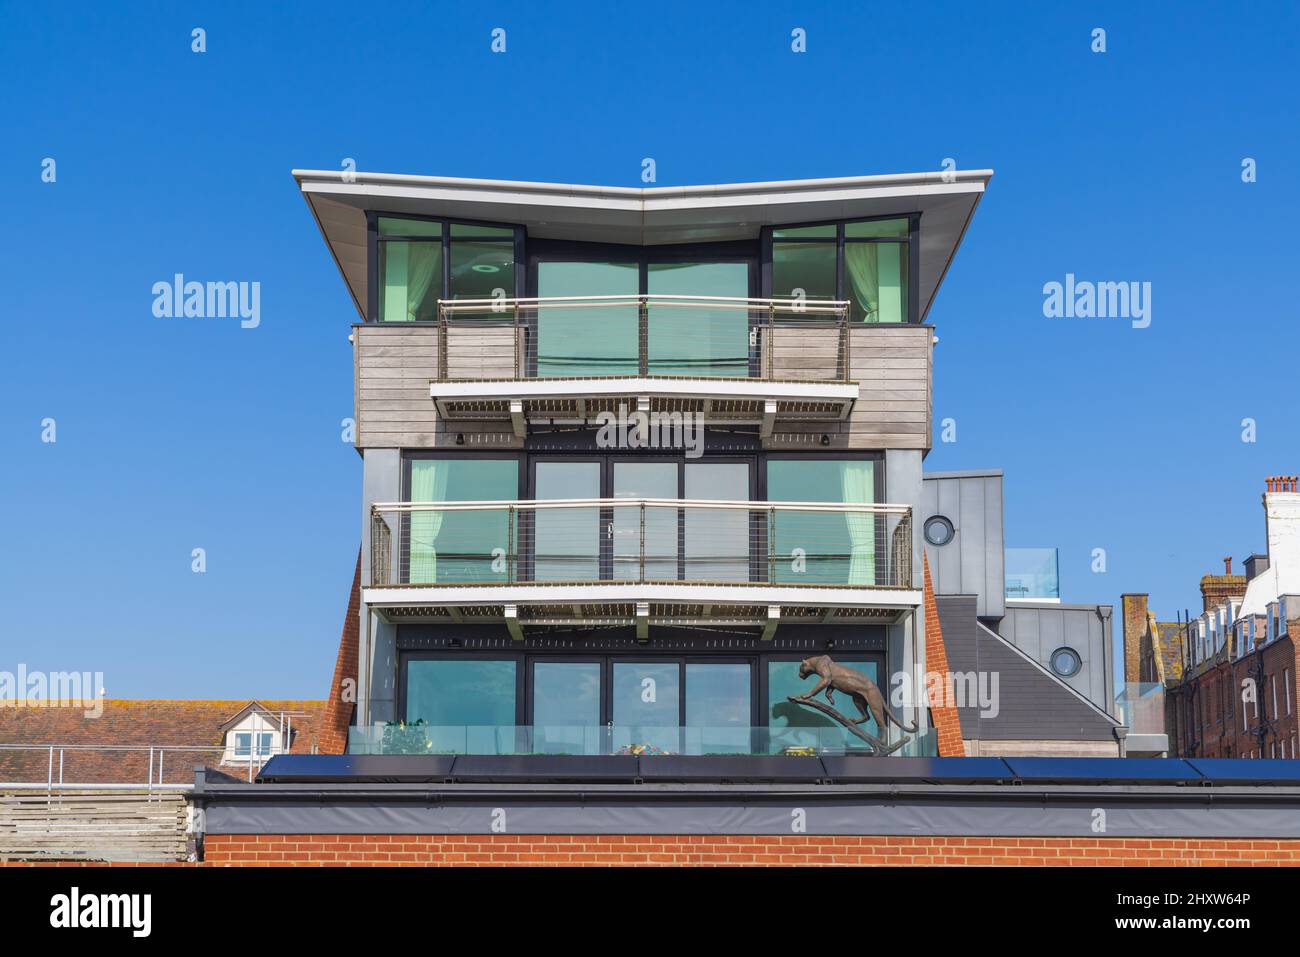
(1229, 674)
(150, 741)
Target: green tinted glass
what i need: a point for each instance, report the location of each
(806, 232)
(876, 227)
(412, 281)
(875, 280)
(482, 269)
(699, 340)
(461, 546)
(458, 693)
(584, 340)
(809, 267)
(408, 227)
(485, 232)
(824, 548)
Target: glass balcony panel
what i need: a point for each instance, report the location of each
(643, 740)
(1032, 573)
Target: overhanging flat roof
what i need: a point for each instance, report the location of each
(653, 216)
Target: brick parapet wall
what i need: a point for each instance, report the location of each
(713, 850)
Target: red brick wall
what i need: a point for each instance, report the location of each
(947, 723)
(1213, 727)
(338, 713)
(631, 849)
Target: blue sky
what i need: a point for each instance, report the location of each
(175, 434)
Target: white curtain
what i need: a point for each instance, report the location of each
(858, 486)
(424, 260)
(875, 280)
(409, 270)
(428, 484)
(862, 267)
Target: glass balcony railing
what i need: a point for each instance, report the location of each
(417, 739)
(1141, 707)
(641, 540)
(1032, 573)
(715, 337)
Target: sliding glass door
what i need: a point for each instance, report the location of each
(566, 540)
(587, 339)
(698, 339)
(644, 540)
(660, 542)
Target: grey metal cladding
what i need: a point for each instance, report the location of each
(973, 562)
(1031, 705)
(1040, 629)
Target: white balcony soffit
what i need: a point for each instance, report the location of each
(576, 401)
(657, 216)
(616, 603)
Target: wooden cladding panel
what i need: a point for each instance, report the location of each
(892, 365)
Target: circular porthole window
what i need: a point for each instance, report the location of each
(938, 530)
(1066, 662)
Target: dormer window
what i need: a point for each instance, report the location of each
(255, 735)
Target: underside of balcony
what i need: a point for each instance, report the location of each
(585, 401)
(642, 604)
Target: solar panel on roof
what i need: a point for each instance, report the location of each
(1103, 770)
(1247, 770)
(866, 770)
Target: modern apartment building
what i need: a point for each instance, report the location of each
(632, 455)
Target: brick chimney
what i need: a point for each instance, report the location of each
(1134, 608)
(1282, 521)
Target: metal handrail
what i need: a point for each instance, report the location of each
(522, 316)
(820, 306)
(875, 508)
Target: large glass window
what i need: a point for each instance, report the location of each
(566, 540)
(645, 551)
(646, 699)
(825, 548)
(461, 546)
(566, 706)
(718, 703)
(585, 340)
(865, 262)
(698, 340)
(410, 262)
(793, 725)
(460, 692)
(424, 260)
(482, 262)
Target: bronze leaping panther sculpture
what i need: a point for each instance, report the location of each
(864, 692)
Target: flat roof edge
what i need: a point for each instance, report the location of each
(976, 180)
